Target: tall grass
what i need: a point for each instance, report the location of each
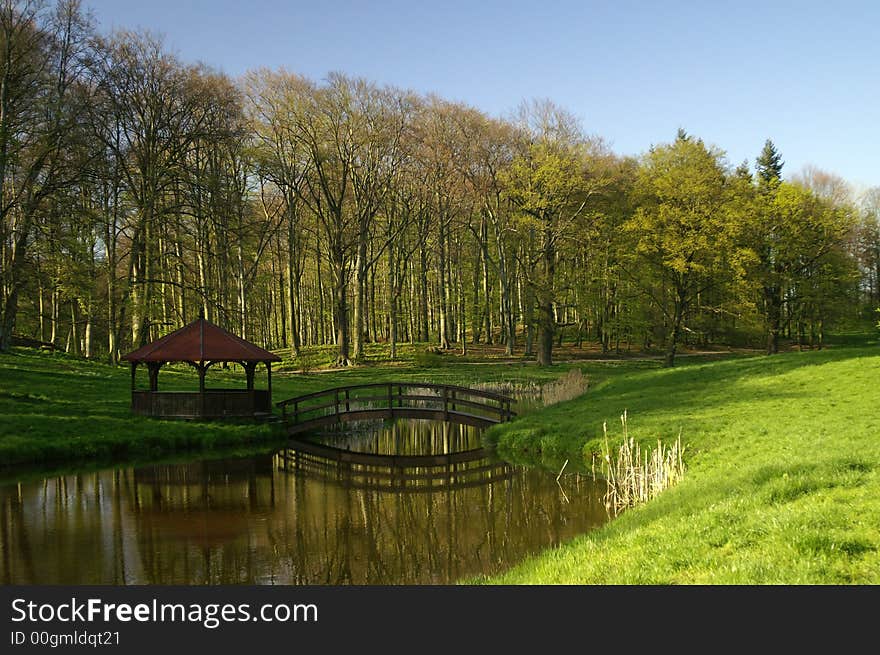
(635, 476)
(571, 385)
(516, 389)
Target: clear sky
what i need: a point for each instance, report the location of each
(805, 74)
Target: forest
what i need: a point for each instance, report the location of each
(138, 191)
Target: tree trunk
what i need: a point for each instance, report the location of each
(545, 334)
(393, 295)
(674, 332)
(292, 285)
(340, 307)
(773, 298)
(10, 308)
(423, 291)
(359, 296)
(442, 289)
(16, 281)
(242, 298)
(342, 338)
(546, 314)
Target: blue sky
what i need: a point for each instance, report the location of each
(806, 74)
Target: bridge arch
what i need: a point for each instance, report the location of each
(389, 400)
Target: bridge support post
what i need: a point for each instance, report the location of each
(390, 401)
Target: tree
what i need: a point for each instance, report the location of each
(159, 108)
(275, 101)
(767, 231)
(41, 53)
(868, 247)
(811, 263)
(550, 182)
(685, 231)
(492, 146)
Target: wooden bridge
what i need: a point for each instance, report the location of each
(389, 400)
(400, 473)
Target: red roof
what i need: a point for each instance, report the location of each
(201, 341)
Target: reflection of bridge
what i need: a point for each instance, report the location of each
(400, 473)
(420, 400)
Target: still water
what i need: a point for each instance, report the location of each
(338, 509)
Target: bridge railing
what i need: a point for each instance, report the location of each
(447, 401)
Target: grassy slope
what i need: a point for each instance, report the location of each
(783, 480)
(56, 408)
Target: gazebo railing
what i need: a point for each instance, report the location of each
(214, 403)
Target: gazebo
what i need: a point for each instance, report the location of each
(201, 344)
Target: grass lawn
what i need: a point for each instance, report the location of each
(783, 478)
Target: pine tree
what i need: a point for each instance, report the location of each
(769, 165)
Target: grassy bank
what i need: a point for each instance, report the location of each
(783, 479)
(60, 409)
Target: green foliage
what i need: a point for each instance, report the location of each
(686, 231)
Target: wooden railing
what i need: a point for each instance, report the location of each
(214, 403)
(441, 402)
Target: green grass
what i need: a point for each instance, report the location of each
(783, 478)
(56, 408)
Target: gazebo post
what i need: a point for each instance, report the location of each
(153, 368)
(202, 369)
(249, 369)
(269, 382)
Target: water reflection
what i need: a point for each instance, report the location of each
(297, 516)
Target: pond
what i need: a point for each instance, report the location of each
(403, 502)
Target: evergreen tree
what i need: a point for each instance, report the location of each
(769, 232)
(769, 165)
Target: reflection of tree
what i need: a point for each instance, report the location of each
(55, 531)
(249, 521)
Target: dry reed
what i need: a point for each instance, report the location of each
(516, 389)
(635, 476)
(571, 385)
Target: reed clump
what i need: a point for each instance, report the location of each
(510, 388)
(635, 476)
(571, 385)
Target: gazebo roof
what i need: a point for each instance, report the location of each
(201, 341)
